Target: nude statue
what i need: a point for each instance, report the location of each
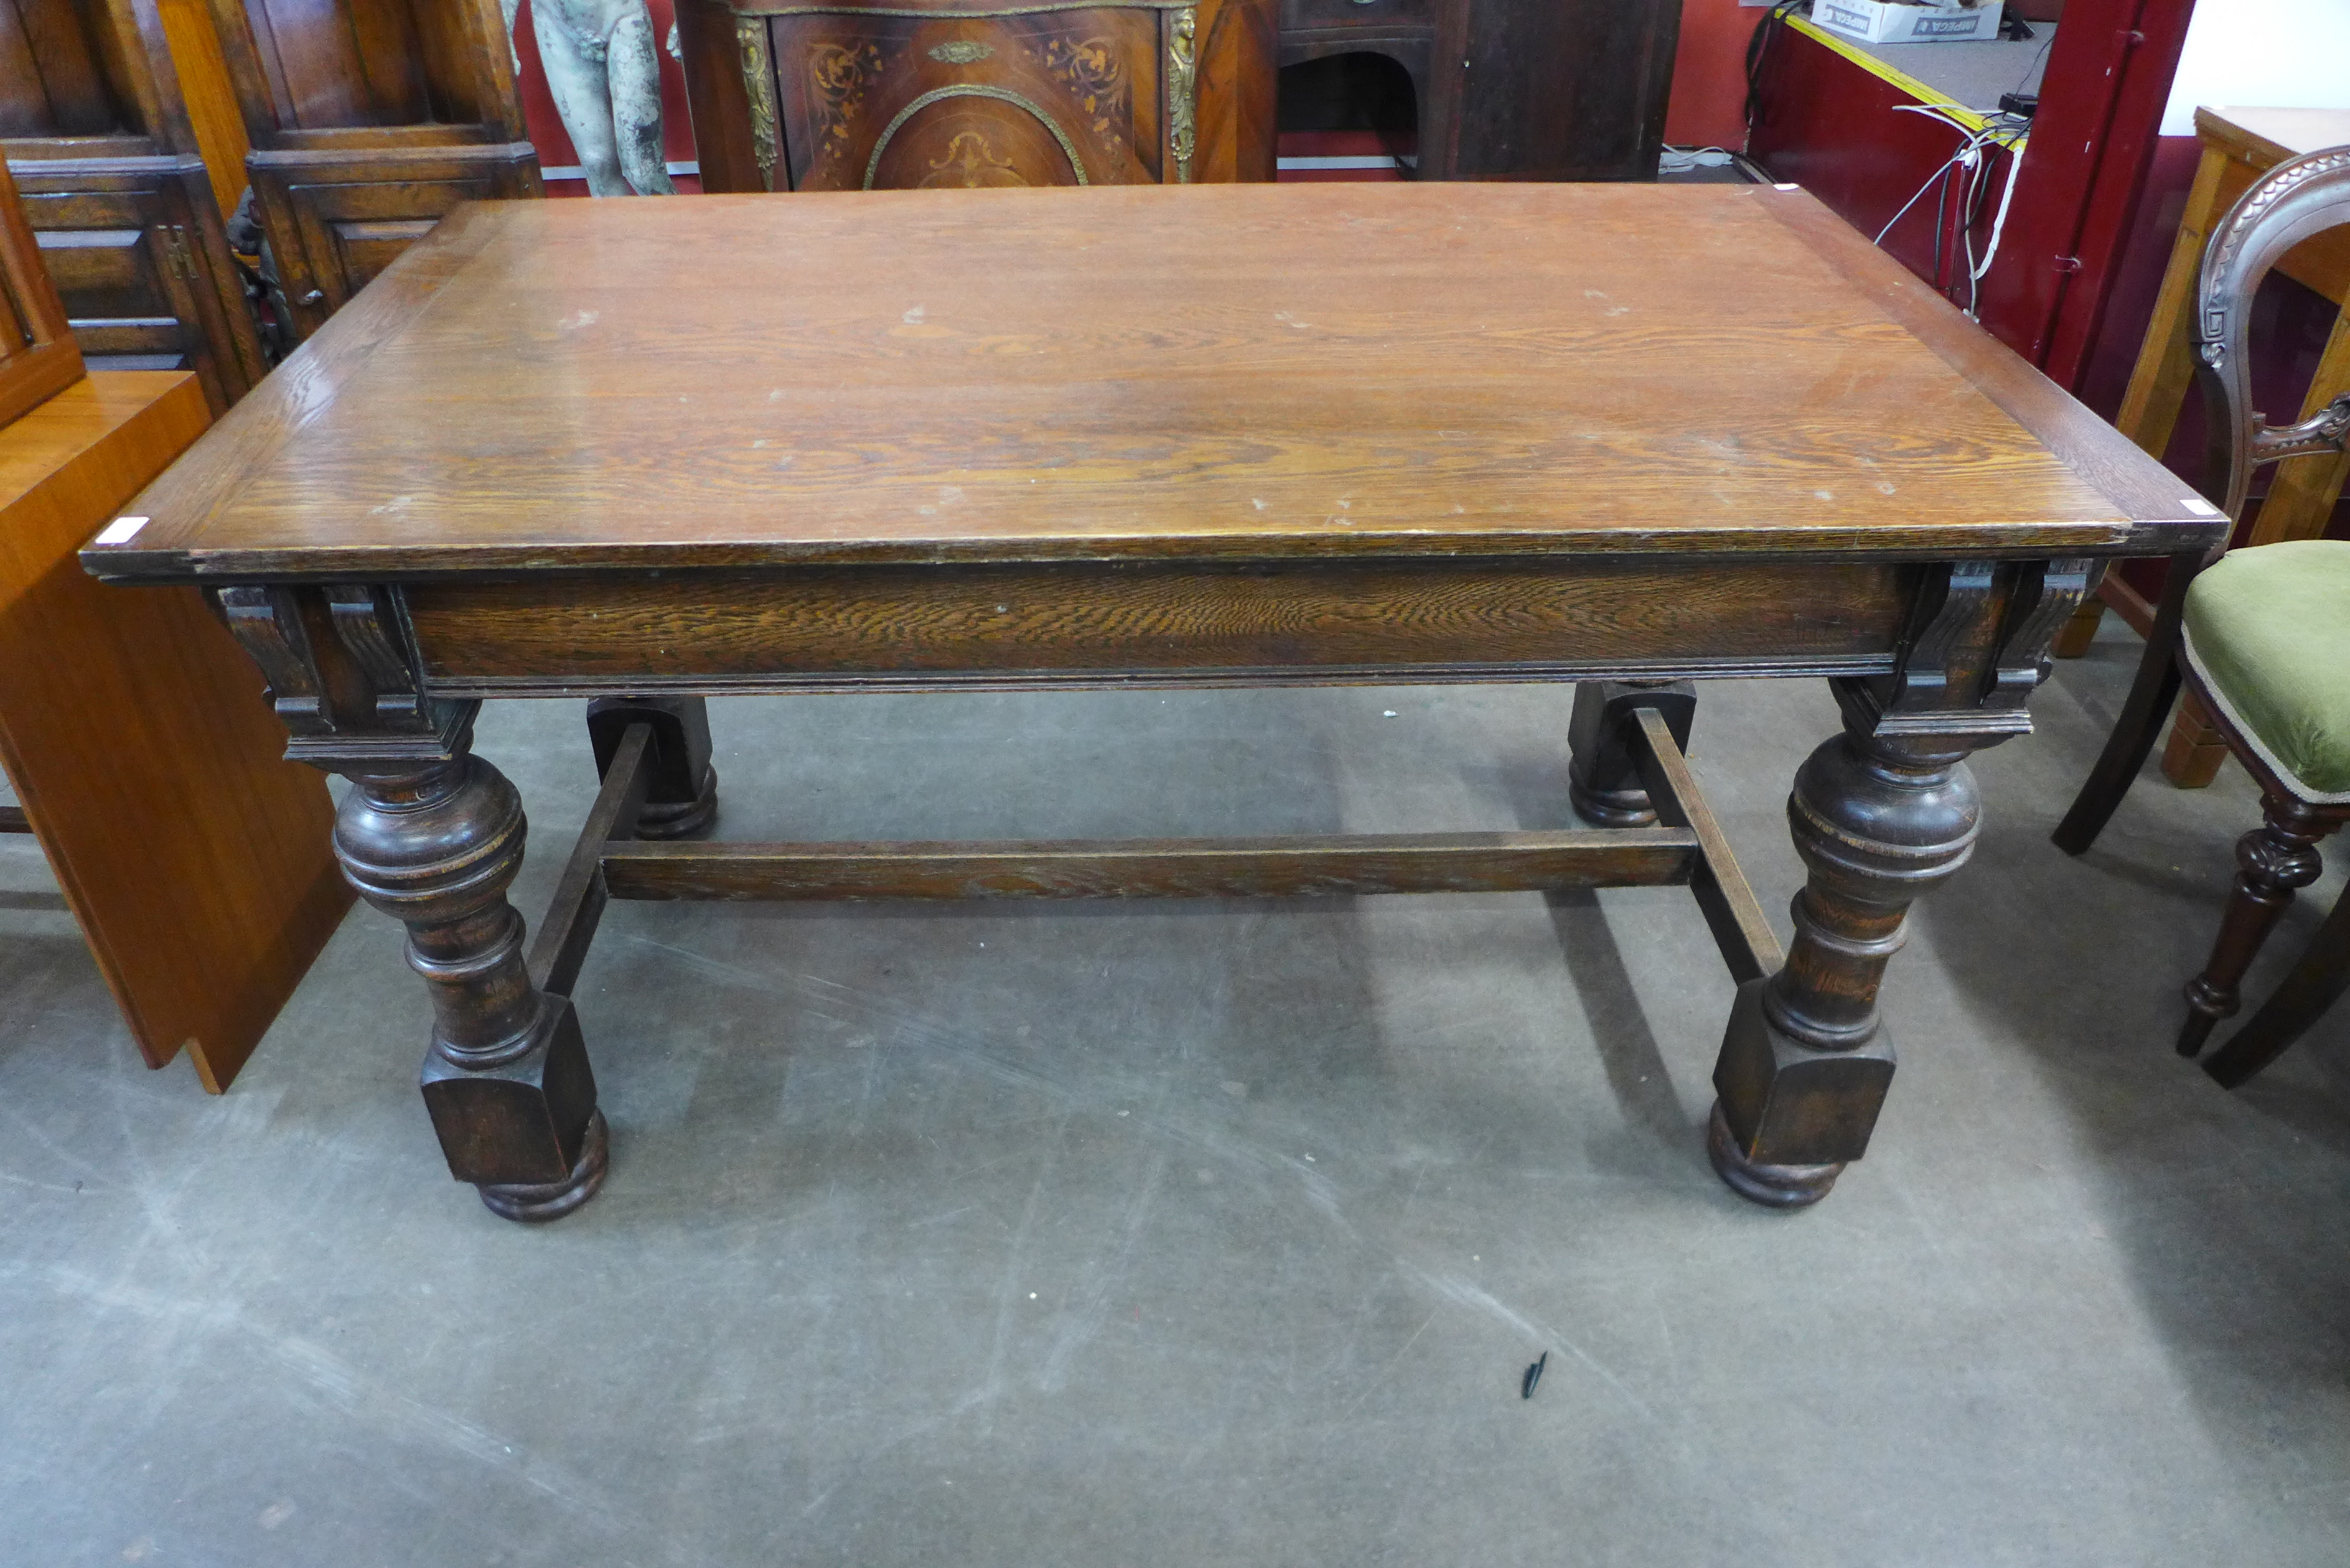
(606, 79)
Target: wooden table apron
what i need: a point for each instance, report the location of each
(379, 653)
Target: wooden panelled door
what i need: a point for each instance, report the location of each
(1056, 97)
(335, 232)
(126, 248)
(369, 121)
(38, 356)
(952, 93)
(96, 130)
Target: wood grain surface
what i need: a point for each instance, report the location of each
(2086, 444)
(1741, 931)
(2269, 136)
(594, 631)
(196, 860)
(38, 356)
(1236, 371)
(214, 115)
(1308, 866)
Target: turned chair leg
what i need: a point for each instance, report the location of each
(2140, 722)
(2273, 860)
(2317, 982)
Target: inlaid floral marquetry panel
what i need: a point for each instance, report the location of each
(1026, 98)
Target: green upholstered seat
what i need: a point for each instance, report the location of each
(2268, 630)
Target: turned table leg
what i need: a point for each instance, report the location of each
(1804, 1063)
(507, 1078)
(681, 800)
(1603, 774)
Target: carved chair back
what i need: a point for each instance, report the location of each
(2292, 202)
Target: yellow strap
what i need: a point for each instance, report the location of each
(1858, 55)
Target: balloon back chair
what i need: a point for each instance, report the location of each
(2262, 637)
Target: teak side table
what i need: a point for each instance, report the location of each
(1629, 436)
(191, 855)
(2239, 145)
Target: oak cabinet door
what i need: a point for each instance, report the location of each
(336, 220)
(350, 232)
(127, 263)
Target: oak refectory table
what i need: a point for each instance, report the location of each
(1629, 436)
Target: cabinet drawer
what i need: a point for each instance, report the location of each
(1299, 15)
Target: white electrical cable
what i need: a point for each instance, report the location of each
(1936, 111)
(1964, 158)
(1998, 224)
(1975, 270)
(1969, 162)
(1682, 160)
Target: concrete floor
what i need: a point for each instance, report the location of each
(1196, 1234)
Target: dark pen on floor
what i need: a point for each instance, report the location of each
(1532, 1376)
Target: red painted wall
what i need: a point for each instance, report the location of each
(1830, 126)
(1708, 107)
(2138, 278)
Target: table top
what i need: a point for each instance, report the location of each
(1212, 371)
(2269, 136)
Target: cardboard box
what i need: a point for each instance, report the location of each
(1878, 22)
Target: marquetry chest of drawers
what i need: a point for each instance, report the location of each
(852, 96)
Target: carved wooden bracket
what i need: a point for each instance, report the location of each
(1977, 646)
(2045, 595)
(268, 622)
(372, 623)
(344, 673)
